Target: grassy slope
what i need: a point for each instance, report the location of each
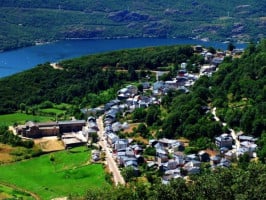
(11, 193)
(68, 172)
(21, 118)
(53, 111)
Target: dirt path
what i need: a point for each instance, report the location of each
(56, 66)
(232, 131)
(12, 129)
(35, 196)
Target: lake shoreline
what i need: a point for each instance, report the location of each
(18, 60)
(38, 43)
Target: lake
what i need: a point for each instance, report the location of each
(15, 61)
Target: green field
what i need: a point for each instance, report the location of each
(55, 175)
(53, 111)
(56, 109)
(21, 118)
(11, 193)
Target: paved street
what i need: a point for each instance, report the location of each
(118, 178)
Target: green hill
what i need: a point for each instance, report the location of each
(237, 89)
(27, 22)
(77, 81)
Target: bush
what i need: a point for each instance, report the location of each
(52, 158)
(108, 177)
(28, 144)
(150, 151)
(143, 130)
(46, 104)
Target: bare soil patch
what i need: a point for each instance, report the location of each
(131, 127)
(184, 141)
(4, 196)
(141, 139)
(5, 151)
(49, 144)
(211, 152)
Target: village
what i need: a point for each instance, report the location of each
(169, 154)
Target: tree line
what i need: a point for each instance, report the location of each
(6, 137)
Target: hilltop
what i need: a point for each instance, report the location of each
(27, 22)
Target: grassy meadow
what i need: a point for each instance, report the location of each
(57, 174)
(21, 118)
(51, 112)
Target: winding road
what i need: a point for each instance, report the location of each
(118, 178)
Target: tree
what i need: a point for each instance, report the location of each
(247, 120)
(132, 73)
(139, 115)
(170, 125)
(212, 50)
(262, 148)
(230, 46)
(202, 143)
(7, 137)
(143, 130)
(140, 88)
(46, 104)
(177, 189)
(169, 97)
(243, 160)
(259, 125)
(22, 107)
(94, 137)
(128, 173)
(150, 151)
(153, 114)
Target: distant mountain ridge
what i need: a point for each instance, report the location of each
(25, 22)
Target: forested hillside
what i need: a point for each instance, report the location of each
(77, 80)
(26, 22)
(238, 92)
(237, 89)
(223, 183)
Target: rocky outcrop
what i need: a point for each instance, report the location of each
(238, 28)
(156, 29)
(127, 16)
(82, 33)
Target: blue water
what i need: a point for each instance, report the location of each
(15, 61)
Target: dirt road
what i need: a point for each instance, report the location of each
(232, 132)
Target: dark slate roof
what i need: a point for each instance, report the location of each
(72, 122)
